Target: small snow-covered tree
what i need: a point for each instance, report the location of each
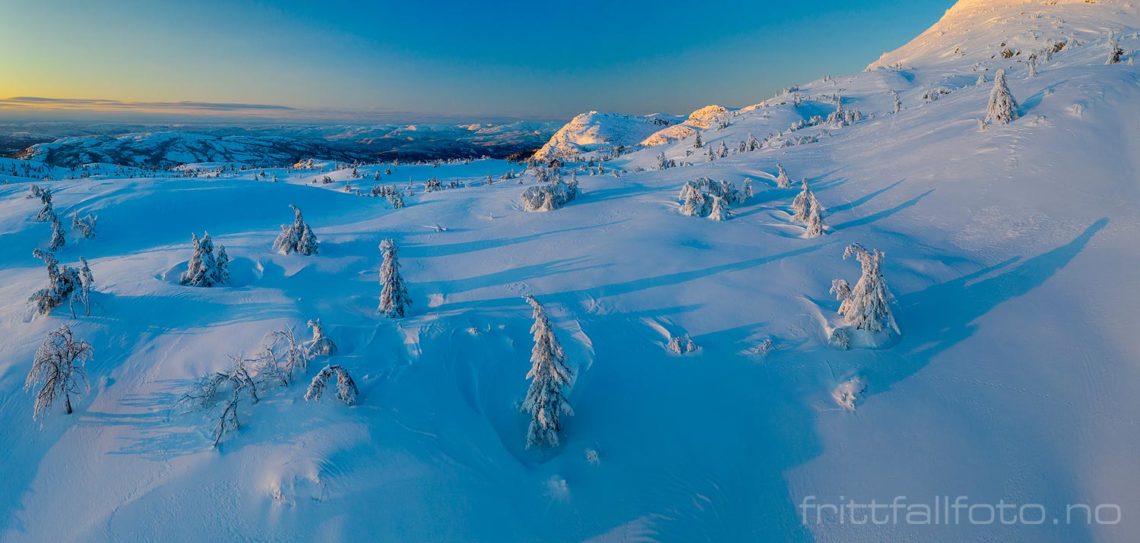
(1002, 106)
(1032, 65)
(1115, 53)
(62, 284)
(782, 179)
(549, 377)
(752, 144)
(297, 237)
(57, 238)
(693, 201)
(85, 225)
(815, 225)
(86, 280)
(981, 79)
(47, 212)
(319, 345)
(722, 151)
(897, 102)
(747, 193)
(345, 386)
(394, 299)
(697, 143)
(866, 306)
(803, 202)
(204, 268)
(720, 210)
(57, 370)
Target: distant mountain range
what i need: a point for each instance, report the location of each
(173, 145)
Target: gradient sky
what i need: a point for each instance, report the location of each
(409, 59)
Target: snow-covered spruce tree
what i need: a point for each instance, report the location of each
(296, 238)
(85, 226)
(697, 143)
(815, 225)
(802, 204)
(981, 79)
(720, 210)
(47, 212)
(345, 386)
(86, 280)
(782, 179)
(752, 144)
(1114, 51)
(222, 266)
(866, 306)
(747, 192)
(394, 299)
(57, 238)
(693, 201)
(319, 345)
(1002, 107)
(722, 151)
(897, 102)
(62, 284)
(204, 269)
(1032, 65)
(57, 370)
(549, 376)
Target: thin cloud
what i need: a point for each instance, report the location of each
(39, 102)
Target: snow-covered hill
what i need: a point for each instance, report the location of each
(591, 133)
(700, 119)
(1011, 252)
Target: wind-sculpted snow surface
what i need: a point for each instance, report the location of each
(1011, 258)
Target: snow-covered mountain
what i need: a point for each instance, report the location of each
(700, 119)
(275, 145)
(590, 133)
(1010, 251)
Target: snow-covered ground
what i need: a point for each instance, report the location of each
(1012, 252)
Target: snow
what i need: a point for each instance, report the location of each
(1011, 252)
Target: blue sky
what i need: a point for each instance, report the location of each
(450, 58)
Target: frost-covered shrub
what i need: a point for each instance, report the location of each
(57, 369)
(222, 392)
(592, 457)
(204, 268)
(839, 338)
(549, 196)
(681, 345)
(84, 225)
(847, 393)
(297, 237)
(319, 345)
(932, 95)
(345, 386)
(866, 306)
(63, 282)
(1002, 107)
